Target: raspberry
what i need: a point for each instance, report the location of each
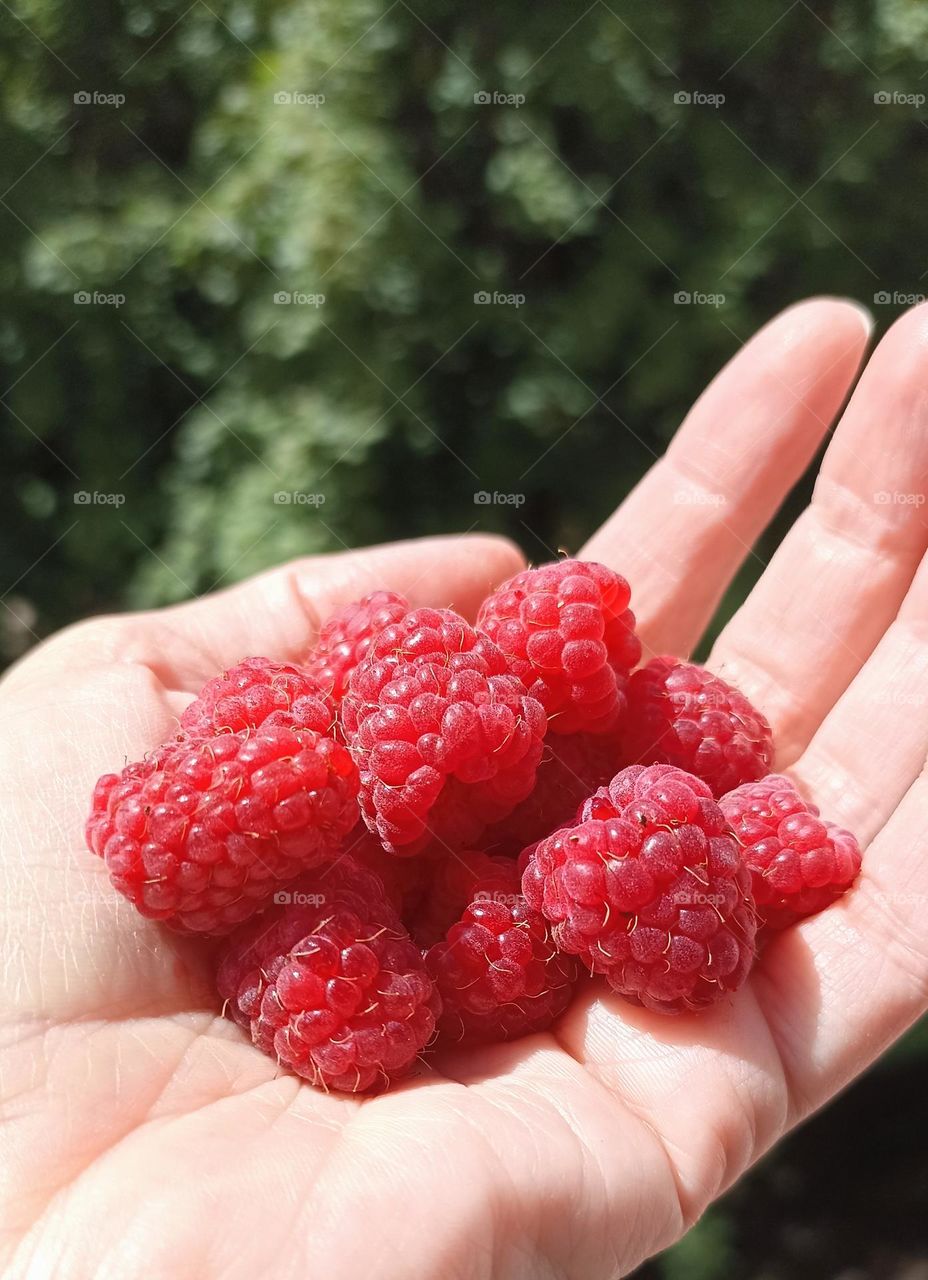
(571, 769)
(497, 969)
(681, 714)
(446, 739)
(346, 638)
(200, 834)
(568, 632)
(404, 879)
(256, 692)
(799, 864)
(648, 889)
(330, 985)
(450, 888)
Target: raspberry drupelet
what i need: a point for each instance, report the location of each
(346, 638)
(452, 881)
(201, 834)
(330, 984)
(568, 632)
(681, 714)
(255, 692)
(496, 967)
(799, 864)
(446, 738)
(647, 888)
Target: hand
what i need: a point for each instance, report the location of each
(144, 1137)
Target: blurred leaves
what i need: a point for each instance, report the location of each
(705, 1253)
(401, 164)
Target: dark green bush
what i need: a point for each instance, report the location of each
(598, 198)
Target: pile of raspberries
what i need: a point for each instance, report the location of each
(427, 833)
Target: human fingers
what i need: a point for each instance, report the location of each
(681, 534)
(839, 576)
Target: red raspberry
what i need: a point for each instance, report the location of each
(571, 769)
(404, 879)
(681, 714)
(330, 985)
(450, 888)
(497, 970)
(568, 632)
(648, 889)
(257, 691)
(200, 834)
(446, 739)
(346, 638)
(799, 864)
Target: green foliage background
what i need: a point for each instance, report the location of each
(598, 197)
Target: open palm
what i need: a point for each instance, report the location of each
(142, 1134)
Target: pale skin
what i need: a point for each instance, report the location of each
(144, 1136)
